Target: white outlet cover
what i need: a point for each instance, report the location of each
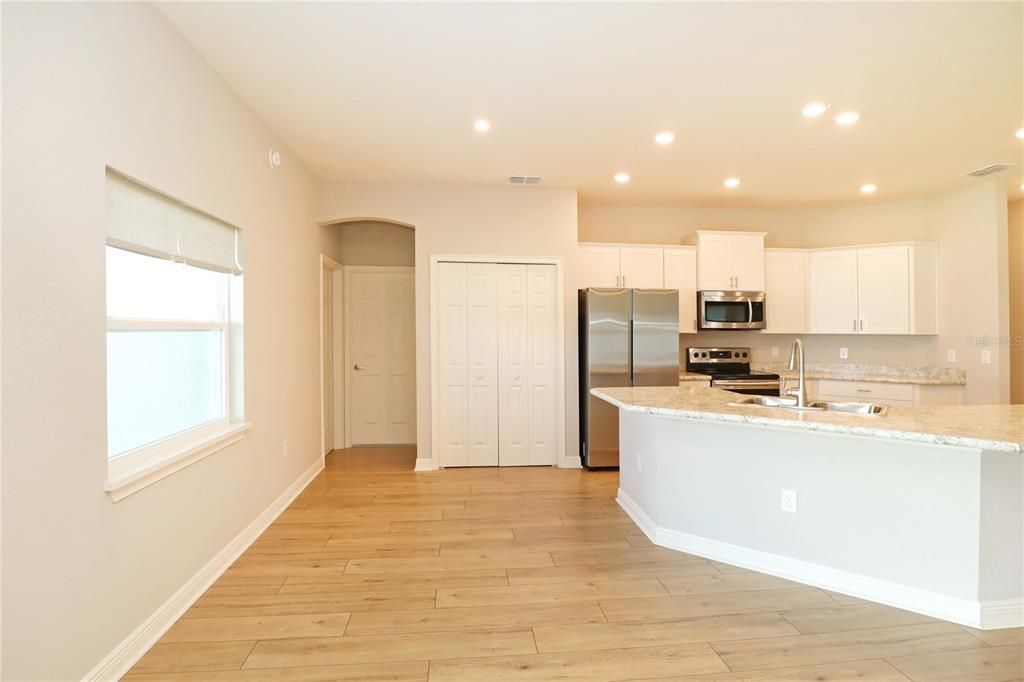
(844, 353)
(789, 501)
(638, 464)
(284, 449)
(951, 355)
(775, 351)
(986, 357)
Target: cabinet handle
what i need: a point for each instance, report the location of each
(863, 390)
(623, 280)
(855, 325)
(862, 325)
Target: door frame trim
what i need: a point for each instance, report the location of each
(328, 263)
(347, 272)
(434, 462)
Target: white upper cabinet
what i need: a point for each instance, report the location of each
(641, 267)
(786, 291)
(730, 261)
(681, 274)
(886, 289)
(597, 266)
(832, 292)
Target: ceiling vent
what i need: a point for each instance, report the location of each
(989, 170)
(525, 179)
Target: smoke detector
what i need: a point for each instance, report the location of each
(524, 179)
(989, 170)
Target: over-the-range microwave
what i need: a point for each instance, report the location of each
(730, 310)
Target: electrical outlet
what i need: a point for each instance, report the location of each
(775, 351)
(951, 355)
(639, 465)
(844, 353)
(986, 357)
(789, 501)
(284, 448)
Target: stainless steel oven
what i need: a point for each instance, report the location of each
(729, 369)
(730, 310)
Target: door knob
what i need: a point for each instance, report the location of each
(357, 367)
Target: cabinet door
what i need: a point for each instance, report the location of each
(748, 262)
(715, 264)
(513, 367)
(597, 266)
(542, 354)
(453, 391)
(832, 292)
(884, 289)
(482, 362)
(785, 291)
(641, 268)
(681, 274)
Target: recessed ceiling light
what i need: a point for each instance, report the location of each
(846, 118)
(814, 109)
(482, 125)
(1020, 133)
(665, 137)
(732, 183)
(868, 188)
(622, 178)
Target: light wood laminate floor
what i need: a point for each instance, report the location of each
(378, 573)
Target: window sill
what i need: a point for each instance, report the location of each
(128, 478)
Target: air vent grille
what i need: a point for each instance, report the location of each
(525, 179)
(989, 170)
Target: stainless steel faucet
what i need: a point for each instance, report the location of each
(796, 355)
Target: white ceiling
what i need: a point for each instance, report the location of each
(576, 92)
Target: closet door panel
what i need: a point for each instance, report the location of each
(482, 352)
(542, 350)
(513, 376)
(452, 341)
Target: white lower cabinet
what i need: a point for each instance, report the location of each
(884, 393)
(498, 365)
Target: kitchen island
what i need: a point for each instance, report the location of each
(921, 508)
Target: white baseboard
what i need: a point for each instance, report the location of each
(981, 615)
(115, 664)
(424, 464)
(570, 463)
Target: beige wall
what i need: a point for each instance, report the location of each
(373, 243)
(483, 220)
(87, 85)
(1016, 239)
(969, 224)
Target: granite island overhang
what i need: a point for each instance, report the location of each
(921, 508)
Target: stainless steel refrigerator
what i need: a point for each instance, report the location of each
(628, 337)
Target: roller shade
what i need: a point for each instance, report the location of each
(142, 220)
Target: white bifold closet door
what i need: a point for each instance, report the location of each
(498, 364)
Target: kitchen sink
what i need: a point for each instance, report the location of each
(813, 406)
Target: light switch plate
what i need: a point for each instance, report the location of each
(844, 353)
(986, 357)
(951, 355)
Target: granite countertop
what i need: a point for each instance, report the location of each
(889, 374)
(987, 427)
(685, 376)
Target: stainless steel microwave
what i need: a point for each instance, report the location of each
(730, 310)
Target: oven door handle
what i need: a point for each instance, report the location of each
(750, 307)
(731, 385)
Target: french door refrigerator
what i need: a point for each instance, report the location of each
(627, 337)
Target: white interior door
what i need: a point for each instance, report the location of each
(453, 391)
(542, 355)
(884, 289)
(641, 268)
(513, 369)
(482, 363)
(327, 359)
(382, 338)
(681, 274)
(832, 292)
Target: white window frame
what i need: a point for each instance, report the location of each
(131, 471)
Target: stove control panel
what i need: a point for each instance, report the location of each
(712, 355)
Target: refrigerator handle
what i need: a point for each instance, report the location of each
(629, 359)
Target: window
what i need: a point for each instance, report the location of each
(173, 335)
